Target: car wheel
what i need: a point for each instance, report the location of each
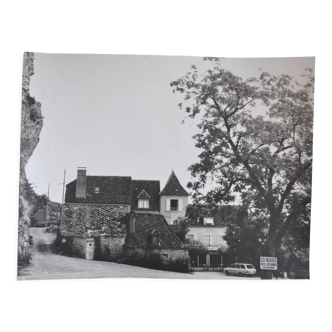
(227, 273)
(240, 274)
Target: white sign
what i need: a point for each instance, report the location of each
(269, 263)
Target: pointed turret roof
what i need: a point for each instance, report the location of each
(173, 187)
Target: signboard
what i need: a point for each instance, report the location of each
(269, 263)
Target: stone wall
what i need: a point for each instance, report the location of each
(112, 247)
(106, 247)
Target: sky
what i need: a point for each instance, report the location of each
(117, 115)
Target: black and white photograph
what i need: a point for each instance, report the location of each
(173, 167)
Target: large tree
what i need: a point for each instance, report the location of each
(256, 140)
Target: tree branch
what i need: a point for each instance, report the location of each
(254, 150)
(240, 108)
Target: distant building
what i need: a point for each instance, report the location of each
(210, 233)
(41, 215)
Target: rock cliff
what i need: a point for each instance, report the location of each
(31, 126)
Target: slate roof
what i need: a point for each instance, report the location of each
(149, 223)
(173, 187)
(112, 190)
(151, 187)
(92, 219)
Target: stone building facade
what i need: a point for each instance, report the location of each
(119, 213)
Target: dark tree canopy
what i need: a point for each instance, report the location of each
(266, 159)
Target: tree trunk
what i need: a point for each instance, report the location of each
(271, 246)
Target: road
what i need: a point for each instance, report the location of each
(49, 265)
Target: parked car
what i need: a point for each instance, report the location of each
(241, 269)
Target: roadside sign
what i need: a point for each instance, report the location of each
(268, 263)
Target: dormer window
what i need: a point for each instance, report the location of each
(143, 203)
(208, 221)
(96, 191)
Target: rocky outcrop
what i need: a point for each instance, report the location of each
(31, 126)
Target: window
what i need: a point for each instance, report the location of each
(97, 190)
(164, 256)
(250, 267)
(143, 203)
(208, 221)
(174, 205)
(155, 238)
(191, 237)
(208, 239)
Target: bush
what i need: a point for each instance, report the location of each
(25, 257)
(102, 252)
(155, 261)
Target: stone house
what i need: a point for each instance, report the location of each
(121, 213)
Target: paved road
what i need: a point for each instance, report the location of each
(48, 265)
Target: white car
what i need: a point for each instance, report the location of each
(240, 269)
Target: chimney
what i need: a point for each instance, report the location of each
(131, 229)
(81, 184)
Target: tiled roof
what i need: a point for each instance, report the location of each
(151, 187)
(149, 223)
(173, 187)
(112, 190)
(98, 219)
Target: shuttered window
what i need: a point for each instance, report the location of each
(168, 205)
(208, 239)
(180, 205)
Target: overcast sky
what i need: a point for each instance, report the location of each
(117, 115)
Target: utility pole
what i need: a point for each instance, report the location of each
(48, 198)
(63, 194)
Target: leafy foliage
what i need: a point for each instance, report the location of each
(265, 159)
(196, 247)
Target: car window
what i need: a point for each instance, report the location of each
(242, 267)
(236, 266)
(249, 266)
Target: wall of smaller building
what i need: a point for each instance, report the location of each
(106, 247)
(172, 215)
(208, 235)
(111, 247)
